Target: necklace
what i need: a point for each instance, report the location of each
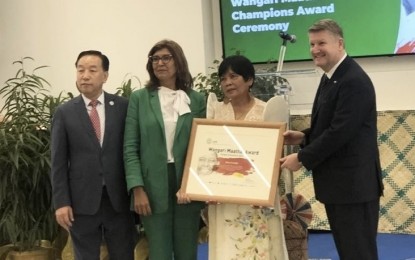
(240, 112)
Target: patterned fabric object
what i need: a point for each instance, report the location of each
(396, 139)
(297, 209)
(296, 240)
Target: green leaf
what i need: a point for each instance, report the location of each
(26, 213)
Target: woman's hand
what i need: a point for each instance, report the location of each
(212, 202)
(141, 202)
(182, 198)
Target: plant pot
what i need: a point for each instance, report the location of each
(4, 251)
(37, 254)
(68, 251)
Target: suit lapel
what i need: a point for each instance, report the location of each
(110, 112)
(156, 107)
(332, 82)
(179, 125)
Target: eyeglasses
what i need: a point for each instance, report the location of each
(164, 59)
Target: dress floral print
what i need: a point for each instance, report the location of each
(241, 231)
(253, 243)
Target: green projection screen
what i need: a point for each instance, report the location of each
(370, 27)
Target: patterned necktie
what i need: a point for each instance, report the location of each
(93, 115)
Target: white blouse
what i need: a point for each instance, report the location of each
(174, 103)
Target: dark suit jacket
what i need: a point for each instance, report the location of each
(341, 143)
(79, 163)
(145, 144)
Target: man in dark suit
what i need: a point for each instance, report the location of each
(340, 147)
(88, 179)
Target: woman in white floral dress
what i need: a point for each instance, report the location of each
(242, 231)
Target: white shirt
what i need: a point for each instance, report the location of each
(173, 103)
(331, 72)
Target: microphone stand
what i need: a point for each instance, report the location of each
(282, 55)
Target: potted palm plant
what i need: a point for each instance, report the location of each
(26, 216)
(128, 85)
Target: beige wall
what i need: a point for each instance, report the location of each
(55, 31)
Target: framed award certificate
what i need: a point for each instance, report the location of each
(234, 161)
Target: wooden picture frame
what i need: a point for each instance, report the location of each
(234, 161)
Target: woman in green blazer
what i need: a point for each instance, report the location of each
(157, 133)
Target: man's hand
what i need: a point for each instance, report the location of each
(64, 217)
(293, 137)
(141, 202)
(291, 162)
